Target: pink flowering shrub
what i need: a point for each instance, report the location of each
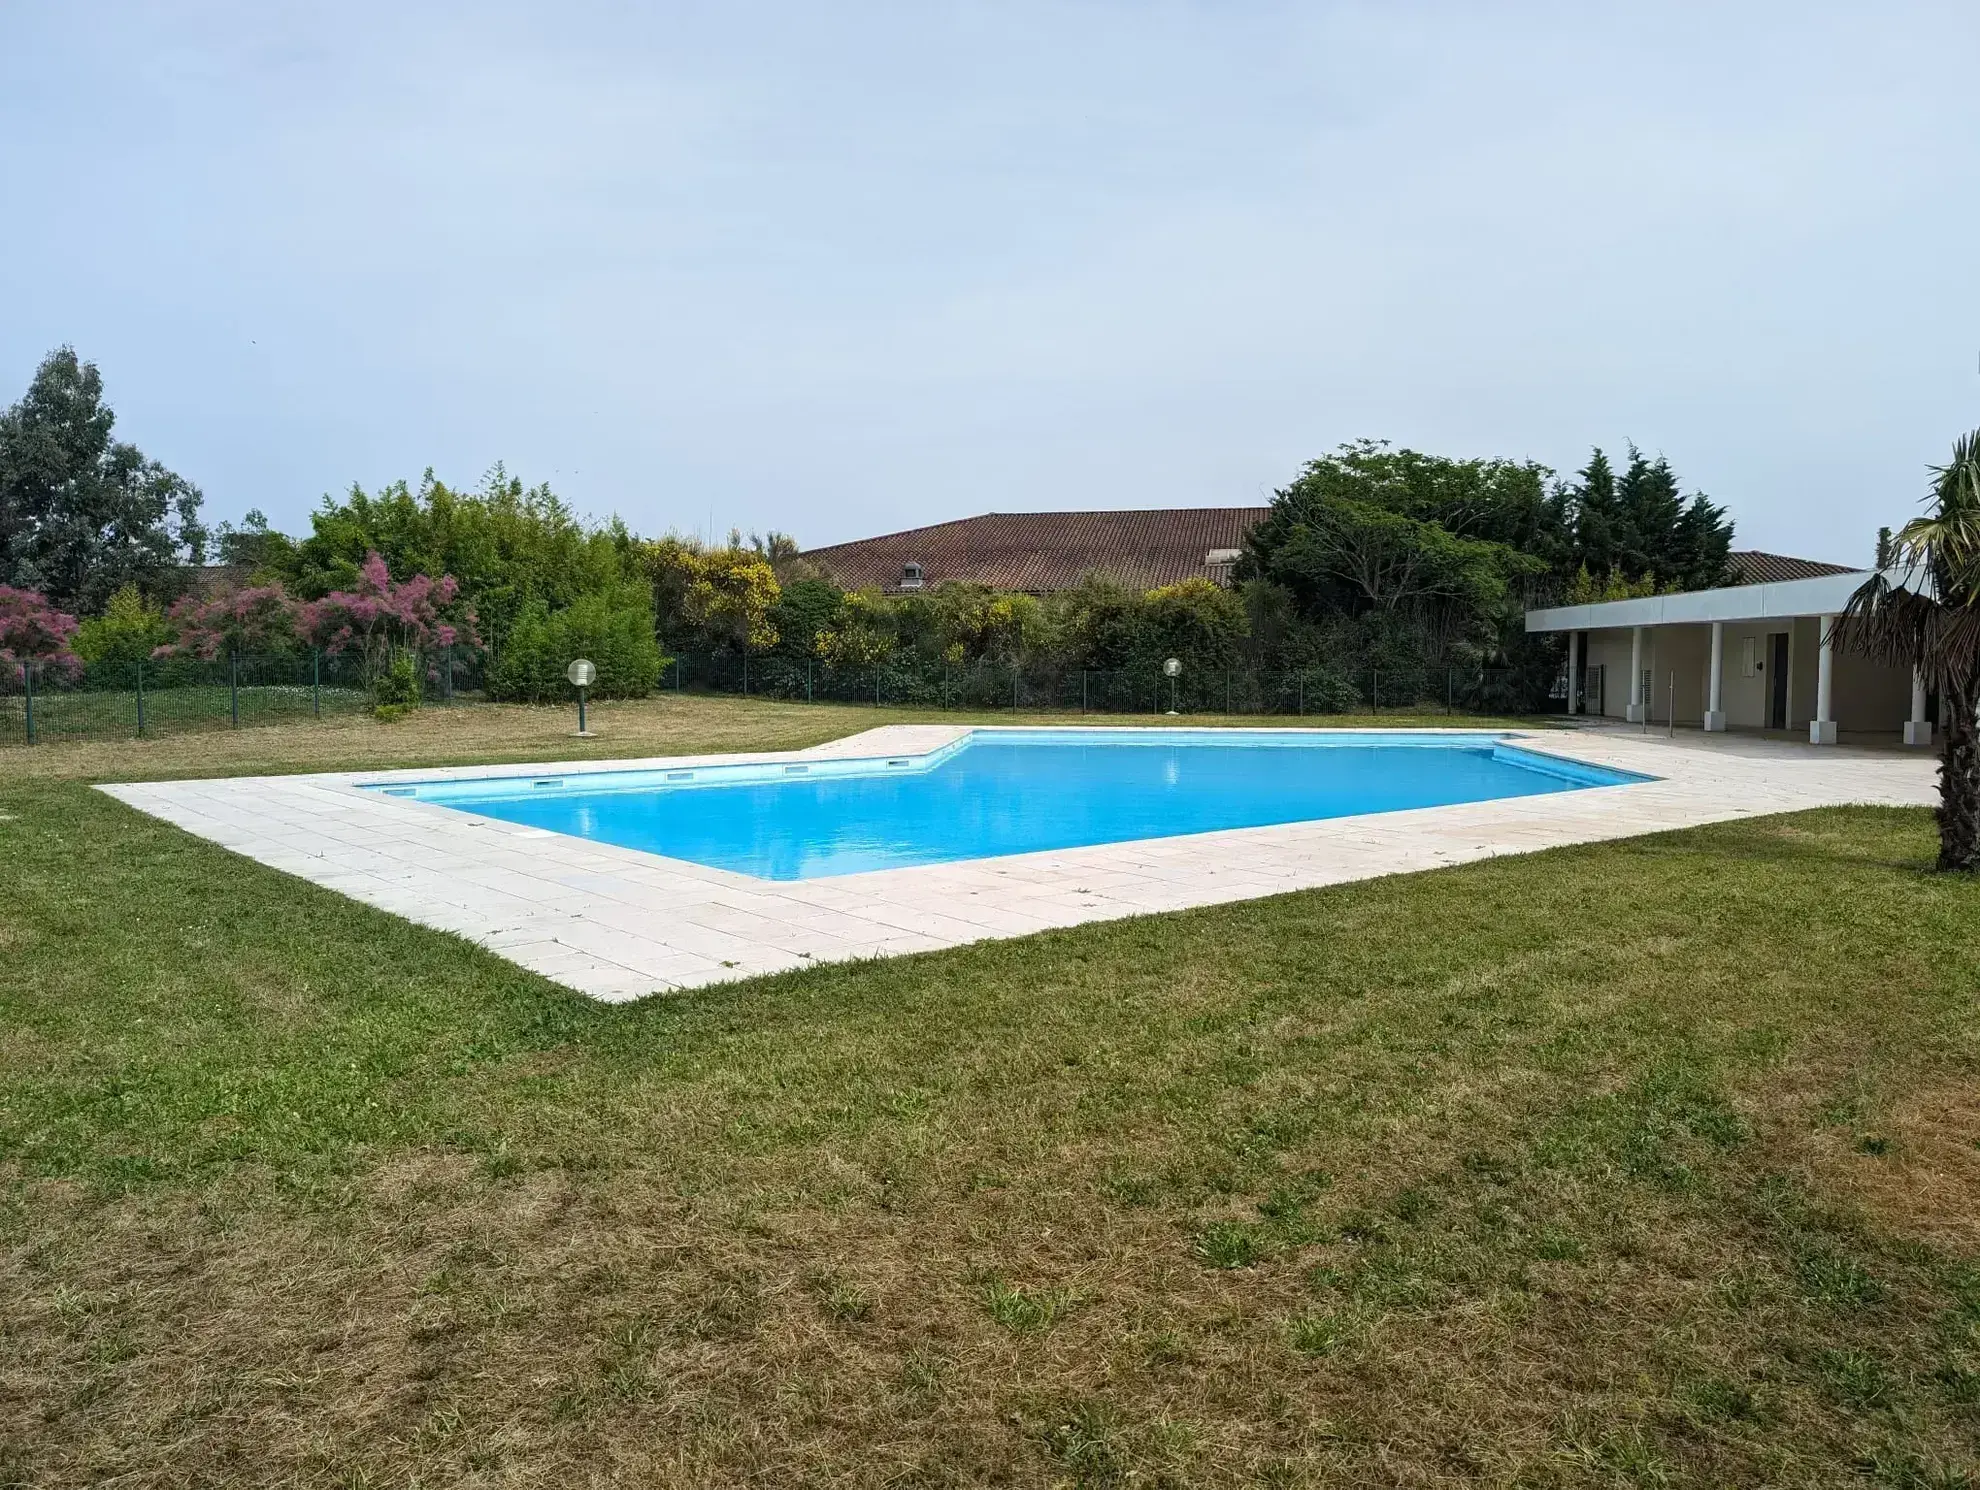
(32, 630)
(260, 619)
(383, 619)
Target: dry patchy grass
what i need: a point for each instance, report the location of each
(475, 733)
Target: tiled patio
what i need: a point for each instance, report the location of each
(618, 924)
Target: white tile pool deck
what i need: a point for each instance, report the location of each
(618, 924)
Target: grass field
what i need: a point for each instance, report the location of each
(1649, 1163)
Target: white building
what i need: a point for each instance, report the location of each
(1752, 657)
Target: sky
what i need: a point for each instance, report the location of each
(841, 269)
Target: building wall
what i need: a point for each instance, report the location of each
(1870, 697)
(1679, 662)
(1609, 650)
(1867, 697)
(1804, 657)
(1744, 686)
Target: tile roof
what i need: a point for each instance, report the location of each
(1046, 551)
(1750, 566)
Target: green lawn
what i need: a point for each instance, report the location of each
(1645, 1163)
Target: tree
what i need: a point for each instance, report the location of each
(1641, 524)
(386, 620)
(1649, 507)
(805, 609)
(128, 630)
(1384, 561)
(1373, 528)
(1098, 622)
(1201, 622)
(33, 631)
(614, 635)
(781, 552)
(505, 545)
(725, 596)
(81, 514)
(1701, 557)
(236, 622)
(862, 635)
(1930, 620)
(1598, 523)
(255, 546)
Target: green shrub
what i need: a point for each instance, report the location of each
(397, 689)
(1327, 691)
(616, 637)
(127, 631)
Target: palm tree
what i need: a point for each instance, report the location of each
(1928, 618)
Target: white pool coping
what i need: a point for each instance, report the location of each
(619, 924)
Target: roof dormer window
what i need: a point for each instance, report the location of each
(911, 576)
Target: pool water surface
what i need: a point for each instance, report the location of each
(1011, 792)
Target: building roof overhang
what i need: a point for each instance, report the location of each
(1825, 595)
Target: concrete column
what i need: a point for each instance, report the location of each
(1715, 709)
(1636, 699)
(1917, 729)
(1822, 728)
(1574, 672)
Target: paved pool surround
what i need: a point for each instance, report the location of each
(619, 924)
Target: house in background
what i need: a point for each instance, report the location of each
(1749, 655)
(1753, 655)
(1040, 552)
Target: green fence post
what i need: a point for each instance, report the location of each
(1082, 690)
(27, 681)
(745, 675)
(140, 691)
(1014, 686)
(1375, 688)
(1299, 684)
(315, 682)
(450, 677)
(1450, 691)
(234, 687)
(807, 680)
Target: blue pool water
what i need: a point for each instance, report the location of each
(1010, 792)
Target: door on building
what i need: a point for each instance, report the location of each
(1777, 663)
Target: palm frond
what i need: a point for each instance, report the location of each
(1946, 541)
(1887, 623)
(1951, 650)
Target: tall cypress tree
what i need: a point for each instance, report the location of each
(1640, 523)
(1704, 545)
(1647, 498)
(1596, 518)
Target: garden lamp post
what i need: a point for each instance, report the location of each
(1173, 670)
(582, 674)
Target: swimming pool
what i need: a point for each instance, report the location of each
(1009, 791)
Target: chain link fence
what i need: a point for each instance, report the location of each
(111, 700)
(1316, 690)
(138, 700)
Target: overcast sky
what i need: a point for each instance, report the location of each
(839, 269)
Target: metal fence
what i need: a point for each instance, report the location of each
(1316, 690)
(111, 700)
